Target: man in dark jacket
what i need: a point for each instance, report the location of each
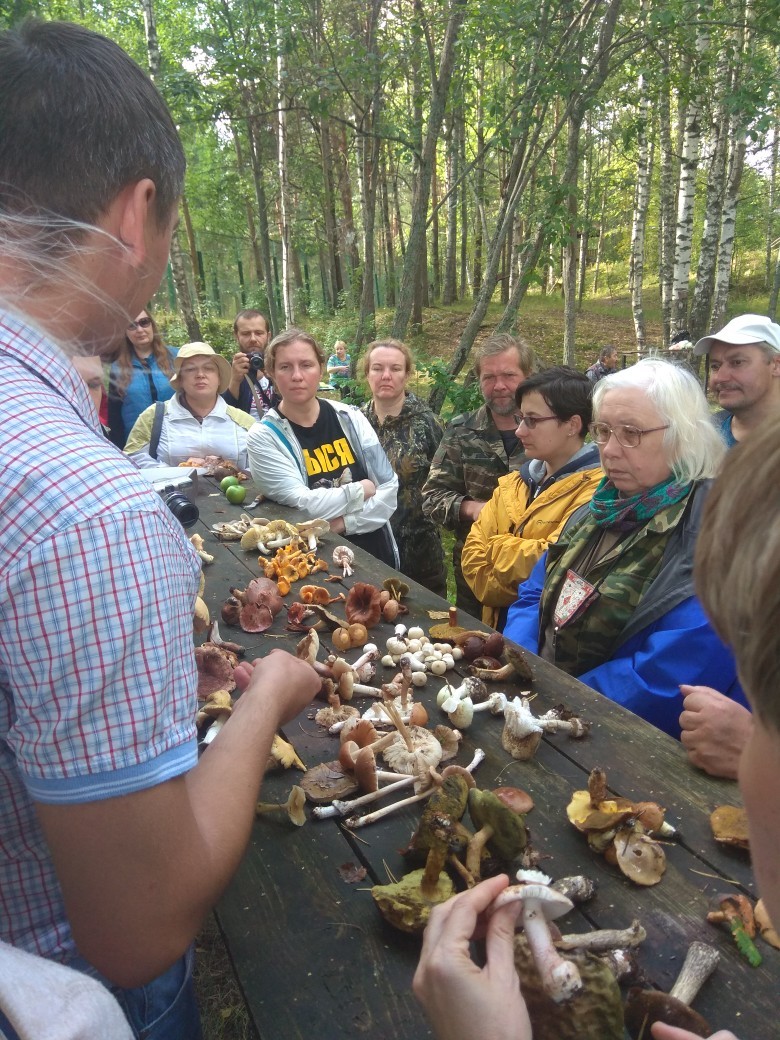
(607, 362)
(250, 389)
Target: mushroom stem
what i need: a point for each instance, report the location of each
(344, 808)
(603, 939)
(479, 756)
(700, 962)
(560, 978)
(395, 717)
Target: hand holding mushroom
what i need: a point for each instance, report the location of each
(461, 1000)
(661, 1031)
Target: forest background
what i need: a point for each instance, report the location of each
(433, 169)
(582, 171)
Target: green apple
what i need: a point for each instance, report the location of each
(235, 494)
(227, 482)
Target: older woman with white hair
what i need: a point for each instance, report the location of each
(196, 422)
(612, 602)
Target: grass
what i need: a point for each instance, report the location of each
(222, 1010)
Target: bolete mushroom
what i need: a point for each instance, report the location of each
(645, 1006)
(736, 911)
(497, 825)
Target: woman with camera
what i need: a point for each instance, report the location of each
(139, 376)
(196, 422)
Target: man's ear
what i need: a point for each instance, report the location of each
(133, 209)
(776, 366)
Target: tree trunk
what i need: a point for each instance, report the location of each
(183, 290)
(569, 184)
(449, 293)
(285, 229)
(370, 154)
(349, 234)
(256, 156)
(250, 213)
(687, 191)
(641, 201)
(388, 236)
(528, 259)
(435, 264)
(335, 280)
(421, 189)
(200, 288)
(668, 180)
(773, 206)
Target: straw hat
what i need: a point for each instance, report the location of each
(190, 350)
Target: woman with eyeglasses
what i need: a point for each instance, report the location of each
(612, 602)
(139, 377)
(529, 508)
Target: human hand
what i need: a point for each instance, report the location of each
(470, 508)
(337, 525)
(462, 1000)
(662, 1031)
(369, 489)
(289, 683)
(714, 730)
(240, 364)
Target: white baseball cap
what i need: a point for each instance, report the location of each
(742, 331)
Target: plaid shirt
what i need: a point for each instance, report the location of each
(97, 585)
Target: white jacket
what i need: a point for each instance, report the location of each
(223, 432)
(279, 471)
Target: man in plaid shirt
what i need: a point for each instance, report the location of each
(115, 840)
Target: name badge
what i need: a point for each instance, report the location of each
(575, 596)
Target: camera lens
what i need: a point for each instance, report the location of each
(256, 362)
(186, 512)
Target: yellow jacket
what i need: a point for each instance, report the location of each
(512, 532)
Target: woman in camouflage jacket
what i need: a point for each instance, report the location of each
(409, 432)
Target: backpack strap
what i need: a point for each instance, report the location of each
(154, 440)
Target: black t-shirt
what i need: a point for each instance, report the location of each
(331, 462)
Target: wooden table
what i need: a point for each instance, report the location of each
(312, 954)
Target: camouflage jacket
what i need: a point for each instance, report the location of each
(410, 440)
(467, 464)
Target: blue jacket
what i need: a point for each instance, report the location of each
(668, 640)
(124, 408)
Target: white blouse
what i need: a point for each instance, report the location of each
(182, 437)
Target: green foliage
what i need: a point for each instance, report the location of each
(460, 397)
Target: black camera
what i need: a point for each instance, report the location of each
(256, 362)
(186, 512)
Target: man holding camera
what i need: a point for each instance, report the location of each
(250, 389)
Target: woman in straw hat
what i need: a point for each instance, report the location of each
(196, 422)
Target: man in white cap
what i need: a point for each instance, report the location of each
(744, 373)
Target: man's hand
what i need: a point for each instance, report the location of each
(715, 729)
(283, 680)
(470, 508)
(239, 367)
(337, 525)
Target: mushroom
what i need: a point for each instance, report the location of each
(736, 912)
(214, 636)
(200, 616)
(283, 752)
(318, 594)
(344, 557)
(397, 588)
(764, 925)
(293, 807)
(646, 1006)
(522, 732)
(560, 977)
(198, 543)
(447, 633)
(217, 707)
(362, 605)
(311, 530)
(327, 781)
(496, 824)
(215, 670)
(601, 939)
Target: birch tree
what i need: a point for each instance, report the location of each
(644, 168)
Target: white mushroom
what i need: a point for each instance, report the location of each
(560, 977)
(311, 530)
(522, 732)
(344, 557)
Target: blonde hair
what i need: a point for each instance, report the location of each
(395, 344)
(286, 339)
(737, 564)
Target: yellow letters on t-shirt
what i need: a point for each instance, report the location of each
(328, 457)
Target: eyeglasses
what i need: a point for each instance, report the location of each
(626, 436)
(531, 421)
(142, 323)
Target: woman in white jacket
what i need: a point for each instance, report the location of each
(322, 457)
(196, 422)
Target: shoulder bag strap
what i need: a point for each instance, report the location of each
(154, 440)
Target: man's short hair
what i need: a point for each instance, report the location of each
(501, 342)
(79, 121)
(606, 352)
(737, 564)
(247, 315)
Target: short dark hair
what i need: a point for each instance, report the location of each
(79, 121)
(249, 312)
(566, 392)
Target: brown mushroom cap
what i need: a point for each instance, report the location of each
(362, 605)
(645, 1006)
(517, 800)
